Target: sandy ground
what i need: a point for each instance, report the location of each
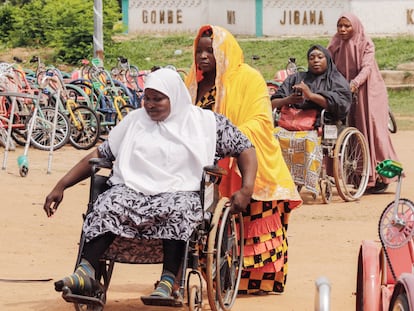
(324, 240)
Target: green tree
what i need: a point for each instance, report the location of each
(8, 15)
(65, 25)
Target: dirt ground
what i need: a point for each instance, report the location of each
(324, 241)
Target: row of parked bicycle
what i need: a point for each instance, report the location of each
(48, 108)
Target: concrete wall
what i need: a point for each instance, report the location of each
(384, 17)
(267, 17)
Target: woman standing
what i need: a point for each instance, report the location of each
(219, 80)
(354, 55)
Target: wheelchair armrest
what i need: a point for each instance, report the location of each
(98, 163)
(215, 170)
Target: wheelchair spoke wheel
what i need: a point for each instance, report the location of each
(351, 164)
(392, 123)
(195, 298)
(224, 258)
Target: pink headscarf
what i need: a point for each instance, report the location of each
(350, 52)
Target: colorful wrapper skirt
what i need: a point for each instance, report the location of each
(266, 247)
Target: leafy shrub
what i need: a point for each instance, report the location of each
(65, 25)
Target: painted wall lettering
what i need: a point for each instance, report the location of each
(231, 17)
(296, 17)
(162, 17)
(410, 19)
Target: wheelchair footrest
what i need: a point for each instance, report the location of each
(162, 301)
(68, 296)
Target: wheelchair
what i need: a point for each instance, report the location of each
(213, 253)
(345, 160)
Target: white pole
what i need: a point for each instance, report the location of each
(98, 46)
(52, 142)
(322, 294)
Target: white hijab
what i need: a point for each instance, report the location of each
(166, 156)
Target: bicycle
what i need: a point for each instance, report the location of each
(396, 225)
(85, 128)
(19, 103)
(130, 76)
(385, 276)
(113, 102)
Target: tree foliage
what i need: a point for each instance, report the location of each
(67, 26)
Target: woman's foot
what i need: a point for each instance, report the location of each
(164, 287)
(380, 187)
(81, 282)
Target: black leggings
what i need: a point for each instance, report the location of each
(173, 251)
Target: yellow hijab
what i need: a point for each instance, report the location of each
(243, 98)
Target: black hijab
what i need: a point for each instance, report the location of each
(330, 84)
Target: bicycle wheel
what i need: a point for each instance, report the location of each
(84, 132)
(19, 136)
(395, 230)
(401, 303)
(124, 110)
(41, 137)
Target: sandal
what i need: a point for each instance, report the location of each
(79, 285)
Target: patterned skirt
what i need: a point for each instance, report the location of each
(302, 152)
(140, 220)
(266, 247)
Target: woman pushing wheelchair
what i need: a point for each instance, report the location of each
(158, 155)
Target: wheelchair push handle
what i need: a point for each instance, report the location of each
(389, 168)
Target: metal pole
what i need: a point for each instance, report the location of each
(98, 47)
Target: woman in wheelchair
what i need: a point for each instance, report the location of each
(158, 156)
(322, 87)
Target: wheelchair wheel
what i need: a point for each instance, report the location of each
(392, 123)
(195, 298)
(326, 190)
(224, 257)
(351, 164)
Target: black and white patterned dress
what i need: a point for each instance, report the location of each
(167, 215)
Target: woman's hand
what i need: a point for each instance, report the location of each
(353, 86)
(239, 201)
(53, 200)
(303, 90)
